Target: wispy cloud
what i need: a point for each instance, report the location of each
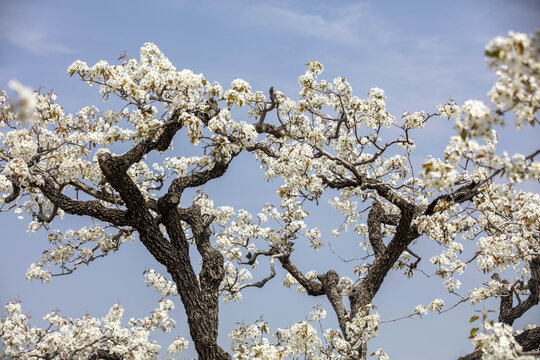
(335, 25)
(357, 27)
(38, 42)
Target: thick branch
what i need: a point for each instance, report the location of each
(313, 288)
(101, 354)
(212, 111)
(330, 282)
(201, 306)
(137, 208)
(509, 313)
(339, 184)
(172, 197)
(363, 182)
(363, 293)
(374, 222)
(529, 339)
(159, 143)
(327, 285)
(92, 208)
(390, 219)
(464, 193)
(213, 270)
(166, 133)
(14, 193)
(98, 194)
(203, 319)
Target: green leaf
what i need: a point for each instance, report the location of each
(474, 318)
(473, 332)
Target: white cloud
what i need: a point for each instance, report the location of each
(38, 42)
(336, 24)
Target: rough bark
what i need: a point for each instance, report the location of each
(327, 285)
(509, 313)
(199, 295)
(101, 354)
(92, 208)
(363, 293)
(374, 222)
(529, 339)
(330, 282)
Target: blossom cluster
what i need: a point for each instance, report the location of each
(327, 144)
(435, 305)
(515, 60)
(68, 338)
(299, 340)
(71, 248)
(497, 342)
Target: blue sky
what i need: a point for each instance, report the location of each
(420, 52)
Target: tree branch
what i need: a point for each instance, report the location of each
(312, 287)
(172, 197)
(91, 208)
(509, 313)
(330, 282)
(98, 194)
(374, 222)
(363, 293)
